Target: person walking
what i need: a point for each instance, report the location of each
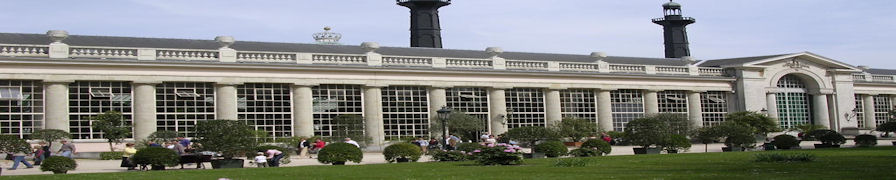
(38, 153)
(127, 154)
(274, 157)
(18, 157)
(68, 149)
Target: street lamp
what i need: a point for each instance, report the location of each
(444, 113)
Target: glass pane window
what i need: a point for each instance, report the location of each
(627, 105)
(579, 103)
(21, 107)
(882, 107)
(472, 101)
(186, 93)
(525, 107)
(10, 93)
(793, 102)
(92, 98)
(673, 102)
(101, 92)
(266, 106)
(860, 110)
(180, 105)
(331, 100)
(405, 112)
(715, 106)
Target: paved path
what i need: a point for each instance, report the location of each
(94, 166)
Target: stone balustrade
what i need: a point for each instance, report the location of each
(24, 50)
(406, 61)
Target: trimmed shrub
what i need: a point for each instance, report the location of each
(551, 148)
(646, 131)
(402, 150)
(785, 141)
(439, 155)
(58, 164)
(499, 154)
(339, 153)
(676, 142)
(530, 135)
(576, 128)
(758, 122)
(468, 147)
(584, 152)
(827, 137)
(229, 137)
(156, 156)
(110, 155)
(50, 135)
(865, 140)
(887, 127)
(782, 157)
(571, 162)
(601, 146)
(13, 144)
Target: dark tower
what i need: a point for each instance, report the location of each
(675, 35)
(425, 29)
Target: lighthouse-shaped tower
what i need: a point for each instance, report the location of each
(425, 29)
(675, 35)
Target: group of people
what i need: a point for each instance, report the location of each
(269, 158)
(180, 146)
(39, 152)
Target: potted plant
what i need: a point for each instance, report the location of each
(551, 148)
(156, 157)
(530, 135)
(737, 136)
(402, 152)
(828, 138)
(785, 141)
(705, 135)
(865, 140)
(58, 164)
(646, 132)
(575, 129)
(760, 123)
(675, 143)
(339, 153)
(601, 146)
(887, 128)
(230, 138)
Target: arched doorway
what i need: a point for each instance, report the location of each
(793, 102)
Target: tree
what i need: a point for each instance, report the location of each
(13, 144)
(705, 135)
(229, 137)
(349, 126)
(887, 127)
(531, 134)
(576, 128)
(50, 135)
(760, 123)
(112, 127)
(462, 125)
(677, 123)
(647, 131)
(736, 134)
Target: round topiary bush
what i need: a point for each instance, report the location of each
(865, 140)
(468, 147)
(551, 148)
(402, 152)
(339, 153)
(785, 141)
(603, 147)
(828, 137)
(156, 156)
(58, 164)
(499, 154)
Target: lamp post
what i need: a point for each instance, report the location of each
(444, 113)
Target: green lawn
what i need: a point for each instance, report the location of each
(846, 163)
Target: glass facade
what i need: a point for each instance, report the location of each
(579, 103)
(470, 100)
(267, 107)
(525, 107)
(715, 106)
(793, 102)
(405, 112)
(882, 107)
(331, 100)
(179, 105)
(627, 105)
(860, 111)
(91, 98)
(21, 107)
(672, 102)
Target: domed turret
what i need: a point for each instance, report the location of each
(670, 5)
(425, 28)
(675, 34)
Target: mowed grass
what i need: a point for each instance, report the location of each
(845, 163)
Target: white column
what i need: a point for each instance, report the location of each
(437, 100)
(302, 110)
(651, 103)
(144, 109)
(225, 101)
(771, 100)
(552, 107)
(868, 109)
(695, 110)
(821, 110)
(604, 110)
(497, 110)
(373, 115)
(56, 105)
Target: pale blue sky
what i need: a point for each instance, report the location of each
(852, 31)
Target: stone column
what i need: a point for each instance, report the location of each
(225, 101)
(497, 110)
(868, 109)
(821, 110)
(553, 111)
(144, 109)
(56, 105)
(651, 103)
(373, 115)
(302, 110)
(771, 100)
(695, 110)
(604, 110)
(437, 100)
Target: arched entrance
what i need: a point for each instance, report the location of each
(793, 102)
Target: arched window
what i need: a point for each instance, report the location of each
(793, 102)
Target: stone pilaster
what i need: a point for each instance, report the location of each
(553, 111)
(144, 109)
(604, 110)
(497, 110)
(868, 109)
(437, 100)
(821, 110)
(225, 101)
(56, 105)
(651, 102)
(302, 110)
(373, 115)
(695, 110)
